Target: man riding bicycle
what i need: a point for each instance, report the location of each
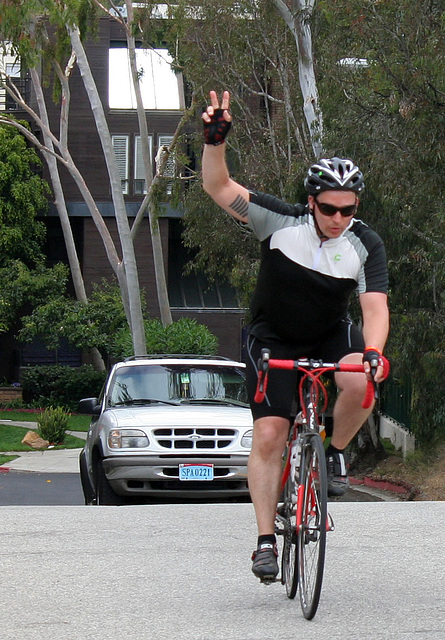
(312, 258)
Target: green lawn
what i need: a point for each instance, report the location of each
(11, 436)
(76, 422)
(11, 439)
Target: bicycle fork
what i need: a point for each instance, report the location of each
(312, 507)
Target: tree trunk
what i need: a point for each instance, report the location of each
(156, 241)
(128, 254)
(59, 201)
(298, 21)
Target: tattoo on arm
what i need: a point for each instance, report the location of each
(240, 206)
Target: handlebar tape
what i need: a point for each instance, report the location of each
(369, 395)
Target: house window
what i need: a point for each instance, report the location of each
(10, 66)
(120, 146)
(139, 184)
(160, 86)
(193, 290)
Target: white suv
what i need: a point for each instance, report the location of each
(174, 426)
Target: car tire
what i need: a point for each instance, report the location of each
(105, 494)
(87, 488)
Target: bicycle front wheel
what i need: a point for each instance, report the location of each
(311, 524)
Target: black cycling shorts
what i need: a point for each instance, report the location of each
(281, 388)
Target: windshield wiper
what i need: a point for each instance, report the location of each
(225, 401)
(145, 401)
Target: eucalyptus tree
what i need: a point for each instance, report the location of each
(247, 48)
(383, 94)
(297, 15)
(129, 20)
(25, 27)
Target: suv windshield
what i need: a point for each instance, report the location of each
(177, 383)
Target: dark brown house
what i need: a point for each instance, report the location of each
(215, 306)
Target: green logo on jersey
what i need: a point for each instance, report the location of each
(337, 257)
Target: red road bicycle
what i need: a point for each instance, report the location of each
(302, 518)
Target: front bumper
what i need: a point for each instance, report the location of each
(156, 476)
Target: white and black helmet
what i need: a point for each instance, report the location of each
(334, 173)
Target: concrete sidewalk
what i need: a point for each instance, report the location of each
(47, 461)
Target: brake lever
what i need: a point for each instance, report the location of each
(263, 374)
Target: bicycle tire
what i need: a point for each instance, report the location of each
(312, 533)
(289, 558)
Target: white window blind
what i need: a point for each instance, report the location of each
(120, 146)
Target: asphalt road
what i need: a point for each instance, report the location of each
(29, 488)
(64, 489)
(182, 572)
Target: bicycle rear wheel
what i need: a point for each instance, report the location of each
(312, 532)
(289, 559)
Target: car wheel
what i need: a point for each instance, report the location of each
(105, 494)
(87, 488)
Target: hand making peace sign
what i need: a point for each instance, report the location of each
(217, 119)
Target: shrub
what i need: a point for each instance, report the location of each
(53, 423)
(17, 403)
(58, 385)
(184, 336)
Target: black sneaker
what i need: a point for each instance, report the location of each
(265, 563)
(338, 481)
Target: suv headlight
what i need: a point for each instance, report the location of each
(127, 439)
(246, 440)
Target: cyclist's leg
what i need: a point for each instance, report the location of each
(349, 414)
(264, 476)
(345, 344)
(265, 469)
(271, 427)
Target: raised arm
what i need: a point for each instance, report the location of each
(230, 195)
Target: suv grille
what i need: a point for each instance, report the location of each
(194, 438)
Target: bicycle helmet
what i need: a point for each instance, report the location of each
(333, 173)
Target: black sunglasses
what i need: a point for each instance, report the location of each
(331, 210)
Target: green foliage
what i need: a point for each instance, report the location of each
(184, 336)
(24, 279)
(16, 403)
(388, 116)
(224, 250)
(52, 424)
(57, 385)
(22, 286)
(254, 57)
(83, 325)
(22, 197)
(25, 25)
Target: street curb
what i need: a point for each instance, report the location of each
(382, 485)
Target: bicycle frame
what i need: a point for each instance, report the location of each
(303, 515)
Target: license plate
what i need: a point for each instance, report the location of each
(196, 471)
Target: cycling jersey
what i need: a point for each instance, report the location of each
(304, 284)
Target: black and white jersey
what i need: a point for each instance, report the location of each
(304, 284)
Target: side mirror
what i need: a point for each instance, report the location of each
(89, 405)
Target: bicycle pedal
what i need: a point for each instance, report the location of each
(266, 580)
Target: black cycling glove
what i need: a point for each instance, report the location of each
(216, 130)
(373, 356)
